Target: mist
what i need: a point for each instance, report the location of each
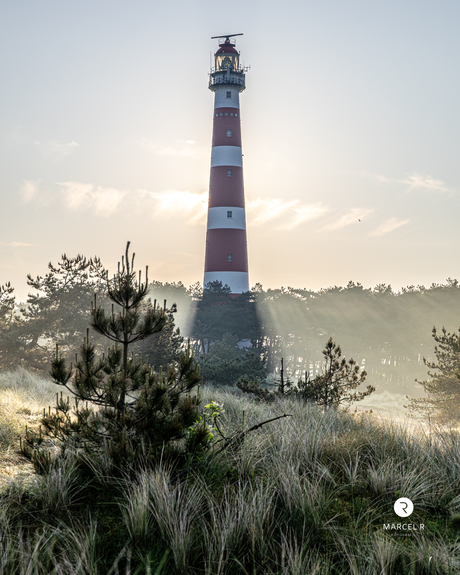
(388, 333)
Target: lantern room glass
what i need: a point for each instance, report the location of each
(227, 60)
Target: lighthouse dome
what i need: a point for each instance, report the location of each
(227, 48)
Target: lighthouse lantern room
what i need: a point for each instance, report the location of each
(226, 258)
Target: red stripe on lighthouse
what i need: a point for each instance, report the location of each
(226, 190)
(226, 131)
(222, 243)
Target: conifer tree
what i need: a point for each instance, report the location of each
(442, 400)
(7, 303)
(122, 407)
(336, 385)
(9, 324)
(58, 310)
(218, 313)
(225, 362)
(164, 347)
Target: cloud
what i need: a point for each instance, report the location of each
(351, 217)
(56, 149)
(28, 191)
(263, 210)
(415, 181)
(422, 182)
(103, 201)
(305, 213)
(176, 202)
(16, 244)
(176, 148)
(388, 226)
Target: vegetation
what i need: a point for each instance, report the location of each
(330, 389)
(387, 332)
(164, 347)
(138, 473)
(307, 494)
(124, 411)
(225, 362)
(442, 399)
(8, 325)
(218, 313)
(336, 385)
(57, 310)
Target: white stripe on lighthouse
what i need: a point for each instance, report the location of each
(238, 281)
(226, 217)
(226, 156)
(221, 100)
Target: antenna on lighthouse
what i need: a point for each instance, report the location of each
(226, 36)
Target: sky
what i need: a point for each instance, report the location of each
(350, 128)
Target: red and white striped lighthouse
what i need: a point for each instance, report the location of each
(226, 257)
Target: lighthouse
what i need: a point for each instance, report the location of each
(226, 258)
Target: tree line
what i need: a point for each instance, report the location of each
(387, 332)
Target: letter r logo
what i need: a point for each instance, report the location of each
(403, 507)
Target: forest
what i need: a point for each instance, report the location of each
(386, 332)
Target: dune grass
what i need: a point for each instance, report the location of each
(22, 398)
(308, 494)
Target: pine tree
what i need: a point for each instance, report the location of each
(58, 310)
(336, 385)
(443, 389)
(225, 362)
(10, 322)
(219, 312)
(164, 347)
(123, 408)
(7, 303)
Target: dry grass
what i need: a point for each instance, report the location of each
(23, 396)
(305, 494)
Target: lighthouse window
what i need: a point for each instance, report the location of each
(229, 133)
(231, 113)
(229, 214)
(236, 114)
(226, 113)
(229, 257)
(220, 114)
(217, 115)
(229, 173)
(229, 94)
